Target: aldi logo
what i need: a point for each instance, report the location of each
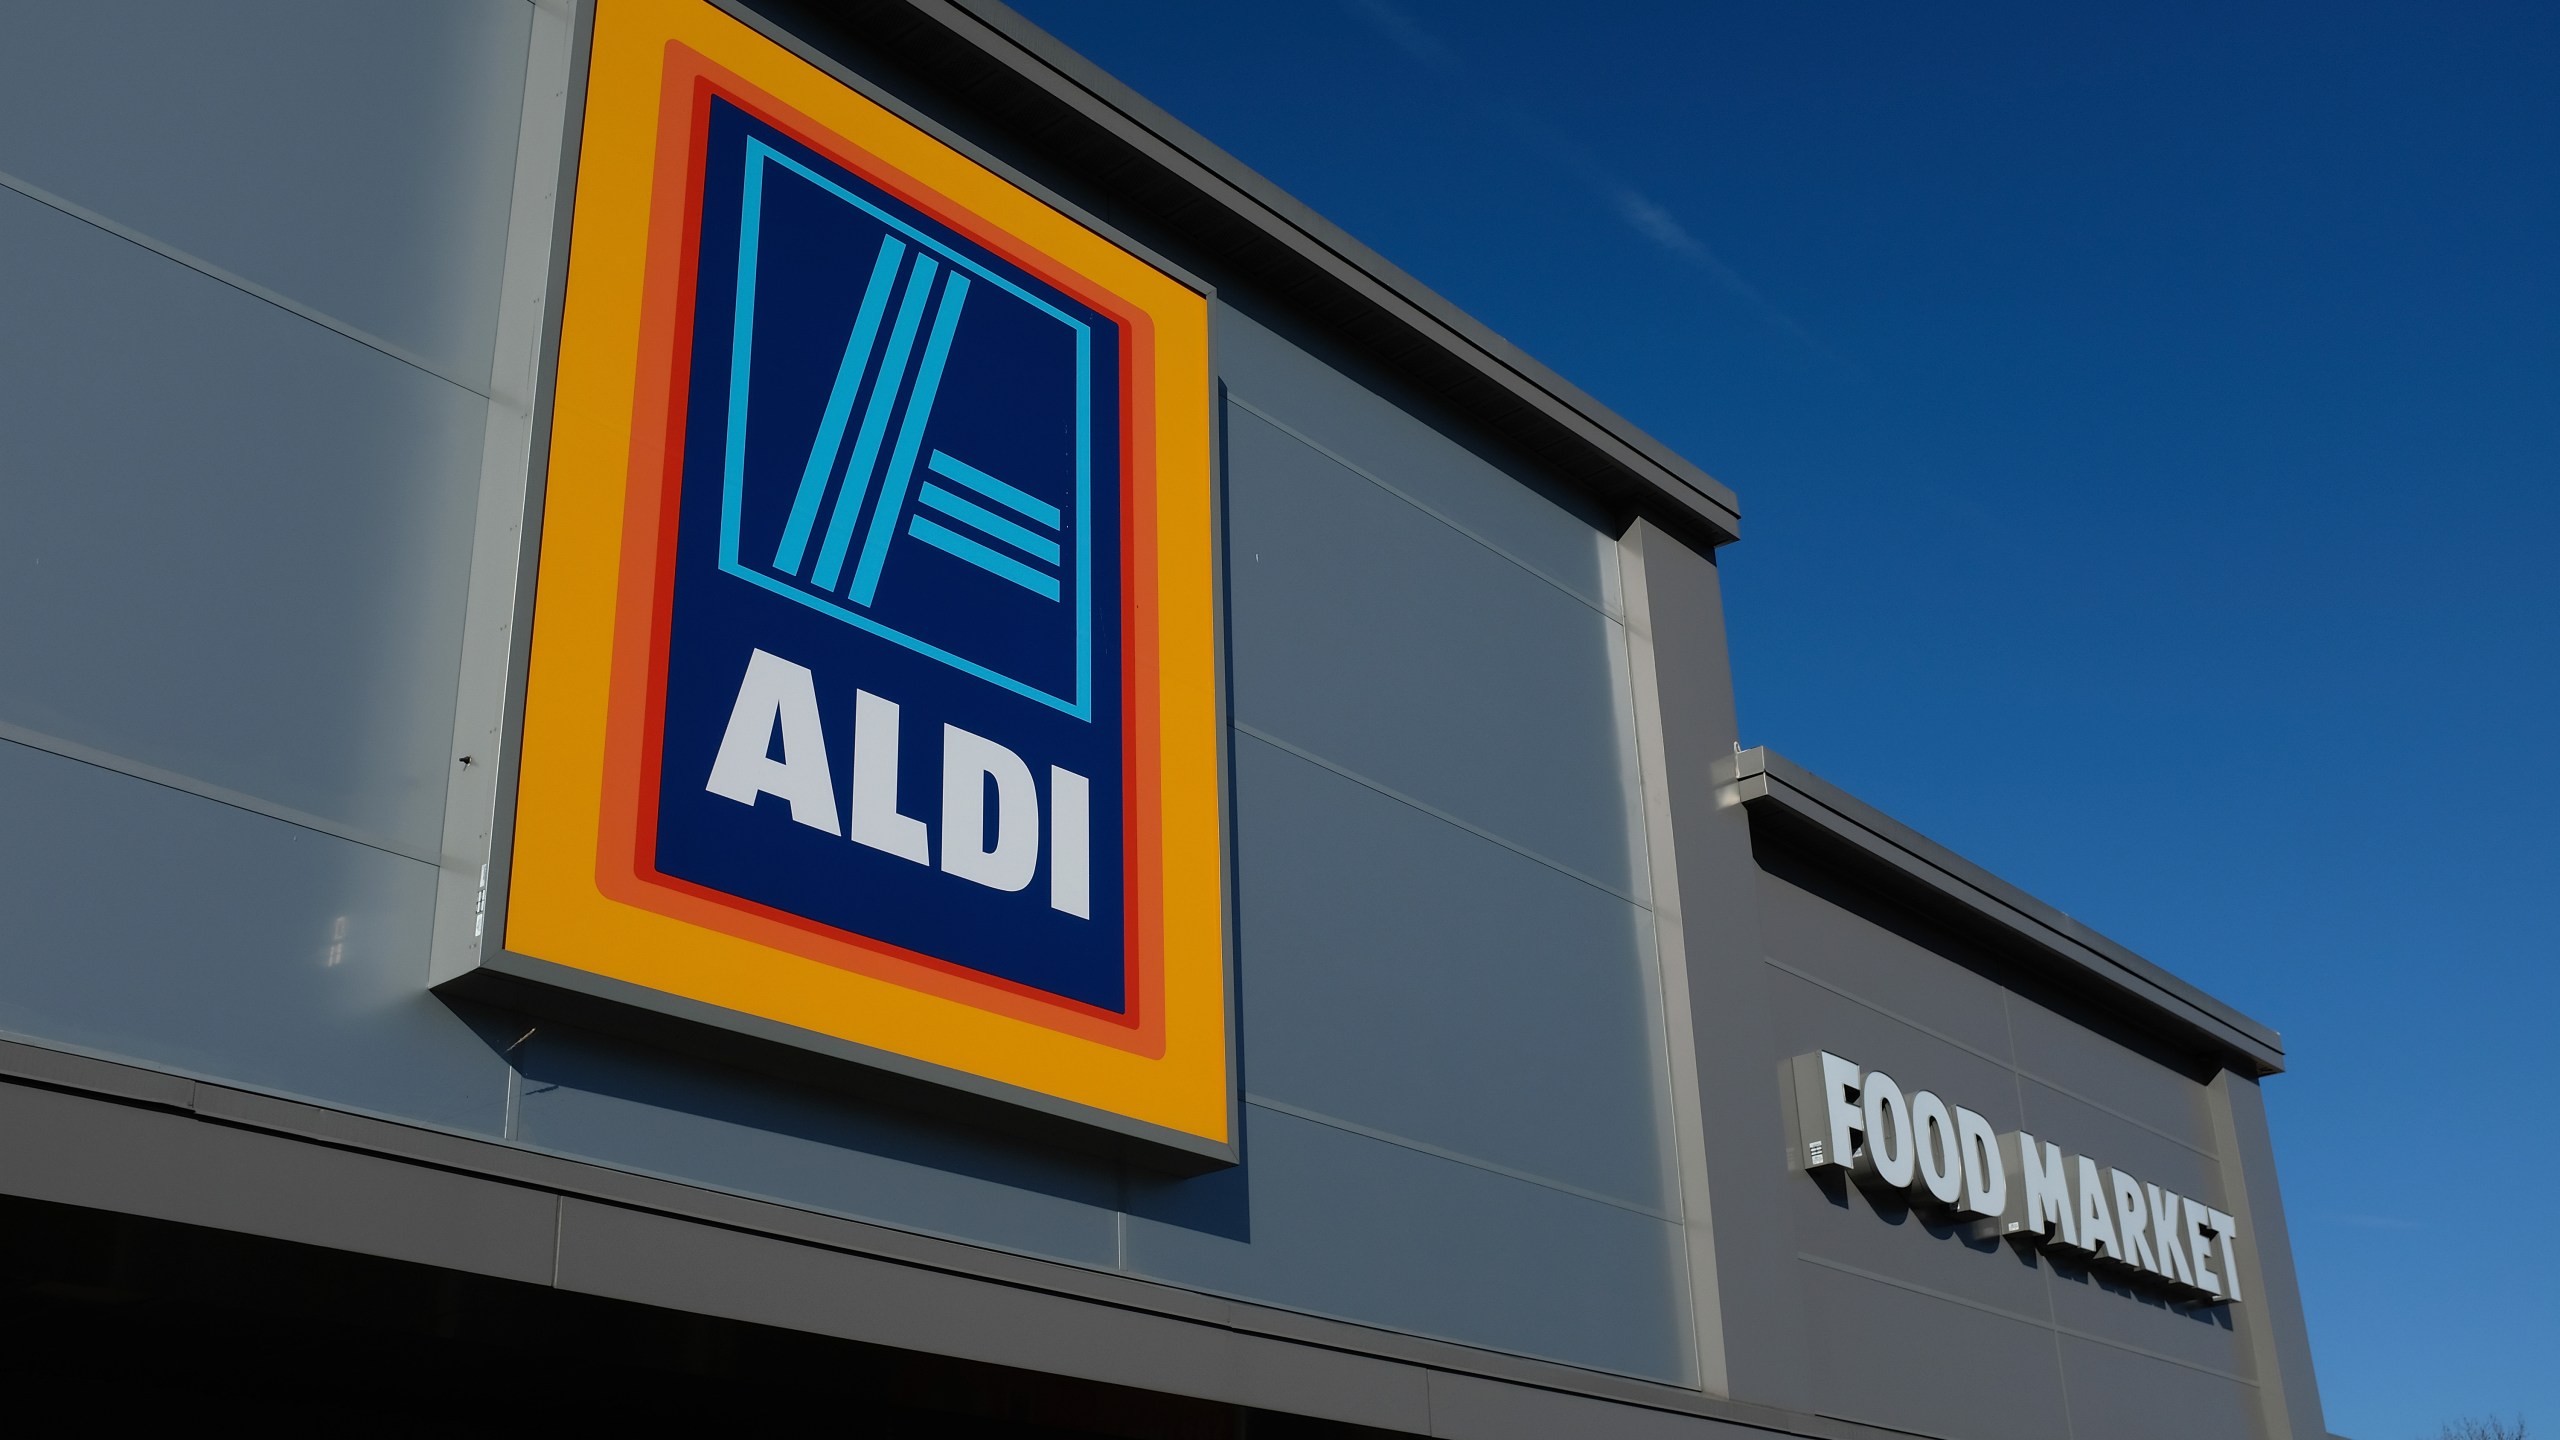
(878, 711)
(871, 698)
(944, 347)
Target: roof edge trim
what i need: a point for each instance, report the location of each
(2080, 958)
(1644, 465)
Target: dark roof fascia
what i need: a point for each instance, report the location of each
(1873, 844)
(1149, 159)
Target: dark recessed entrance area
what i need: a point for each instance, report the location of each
(118, 1318)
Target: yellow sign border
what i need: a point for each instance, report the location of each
(556, 910)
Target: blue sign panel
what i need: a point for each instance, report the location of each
(890, 700)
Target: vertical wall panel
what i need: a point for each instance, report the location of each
(2072, 1057)
(354, 157)
(1909, 1361)
(2120, 1395)
(149, 923)
(1559, 536)
(1851, 952)
(237, 541)
(1376, 636)
(1862, 983)
(1445, 935)
(1405, 975)
(1340, 1224)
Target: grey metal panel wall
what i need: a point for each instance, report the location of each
(1359, 909)
(247, 333)
(1372, 632)
(1753, 1341)
(2279, 1342)
(148, 922)
(251, 266)
(1893, 1355)
(647, 1110)
(236, 540)
(353, 158)
(1359, 1227)
(2080, 1353)
(1452, 1042)
(1452, 1016)
(2120, 1394)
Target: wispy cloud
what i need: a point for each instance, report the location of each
(1405, 34)
(1646, 217)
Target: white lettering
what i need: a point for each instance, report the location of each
(775, 691)
(1887, 1114)
(1986, 1180)
(2226, 1233)
(2040, 1206)
(969, 762)
(2097, 1227)
(1070, 843)
(1933, 1146)
(2028, 1190)
(2199, 1225)
(873, 818)
(2132, 1221)
(2164, 1225)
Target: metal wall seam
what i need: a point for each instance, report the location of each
(1770, 784)
(103, 1134)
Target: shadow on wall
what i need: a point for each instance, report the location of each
(1216, 1203)
(1893, 1209)
(634, 1105)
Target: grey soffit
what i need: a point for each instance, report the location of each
(106, 1134)
(1097, 127)
(1875, 845)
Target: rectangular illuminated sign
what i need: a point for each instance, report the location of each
(871, 695)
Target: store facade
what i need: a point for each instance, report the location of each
(709, 698)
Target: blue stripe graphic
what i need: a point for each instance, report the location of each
(993, 488)
(902, 462)
(1084, 526)
(991, 561)
(900, 388)
(875, 422)
(830, 441)
(741, 349)
(1020, 537)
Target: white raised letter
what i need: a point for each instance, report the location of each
(775, 690)
(2199, 1223)
(1933, 1146)
(1827, 1117)
(2133, 1221)
(2040, 1204)
(875, 820)
(2165, 1205)
(1070, 843)
(1986, 1180)
(2227, 1231)
(2097, 1227)
(1887, 1113)
(968, 763)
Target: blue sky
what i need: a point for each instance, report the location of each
(2146, 421)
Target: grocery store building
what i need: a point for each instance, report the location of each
(724, 710)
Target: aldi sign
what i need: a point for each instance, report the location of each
(870, 703)
(896, 432)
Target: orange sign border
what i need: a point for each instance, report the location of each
(584, 766)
